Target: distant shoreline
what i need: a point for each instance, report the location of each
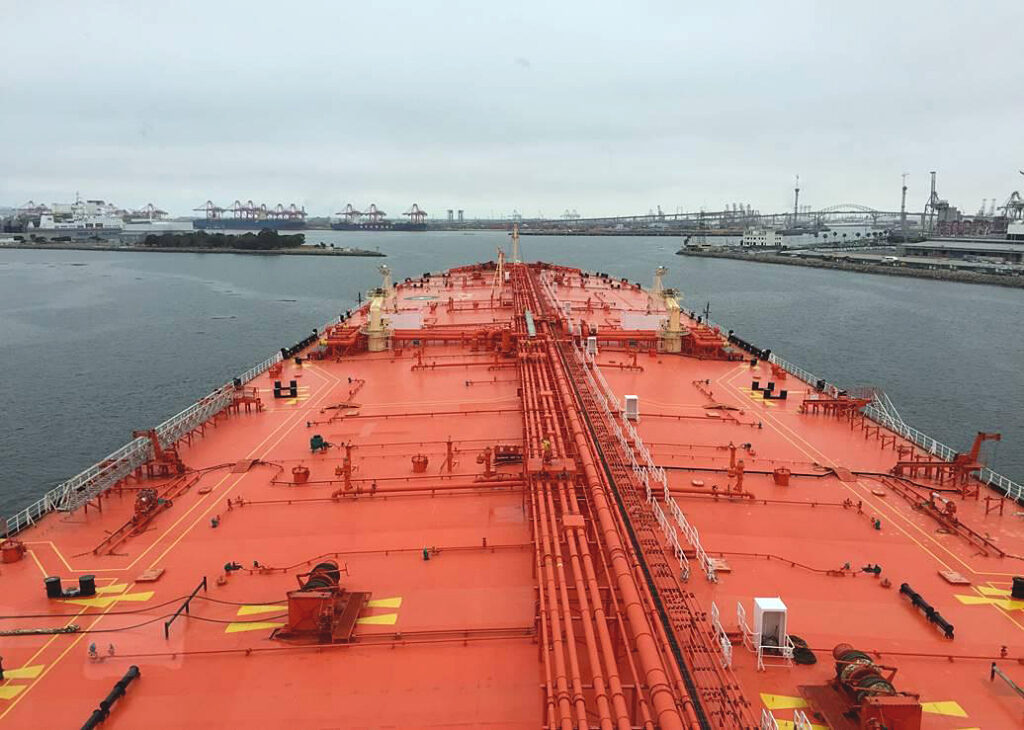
(963, 277)
(301, 251)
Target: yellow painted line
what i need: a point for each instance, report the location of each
(949, 708)
(382, 619)
(756, 396)
(24, 672)
(994, 591)
(9, 692)
(170, 547)
(1005, 603)
(295, 419)
(780, 426)
(213, 499)
(255, 609)
(395, 602)
(234, 628)
(782, 429)
(288, 427)
(38, 564)
(71, 645)
(107, 601)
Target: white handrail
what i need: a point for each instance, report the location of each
(767, 721)
(72, 493)
(644, 468)
(882, 411)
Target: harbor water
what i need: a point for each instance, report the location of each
(96, 344)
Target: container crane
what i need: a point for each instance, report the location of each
(375, 215)
(415, 214)
(351, 214)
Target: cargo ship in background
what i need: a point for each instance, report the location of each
(521, 495)
(91, 219)
(374, 219)
(250, 216)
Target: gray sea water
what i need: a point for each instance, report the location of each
(96, 344)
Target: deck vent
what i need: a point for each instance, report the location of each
(592, 345)
(770, 621)
(632, 408)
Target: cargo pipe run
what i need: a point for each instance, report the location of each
(599, 647)
(662, 697)
(555, 610)
(664, 640)
(541, 421)
(539, 418)
(656, 677)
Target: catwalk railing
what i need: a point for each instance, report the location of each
(882, 411)
(93, 481)
(674, 522)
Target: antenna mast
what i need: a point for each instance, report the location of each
(903, 210)
(796, 200)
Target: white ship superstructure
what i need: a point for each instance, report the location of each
(81, 216)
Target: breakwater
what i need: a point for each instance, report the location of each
(301, 251)
(961, 276)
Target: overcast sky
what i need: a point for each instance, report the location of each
(494, 106)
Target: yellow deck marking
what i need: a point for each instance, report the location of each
(24, 672)
(39, 565)
(1009, 604)
(60, 657)
(115, 588)
(395, 602)
(295, 419)
(203, 514)
(382, 619)
(783, 702)
(949, 708)
(254, 609)
(107, 601)
(235, 628)
(8, 692)
(780, 427)
(755, 395)
(994, 591)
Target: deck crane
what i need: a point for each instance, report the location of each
(958, 470)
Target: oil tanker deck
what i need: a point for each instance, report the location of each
(521, 496)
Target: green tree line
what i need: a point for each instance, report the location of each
(265, 240)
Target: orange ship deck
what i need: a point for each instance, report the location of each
(527, 593)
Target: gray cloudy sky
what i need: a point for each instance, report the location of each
(539, 106)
